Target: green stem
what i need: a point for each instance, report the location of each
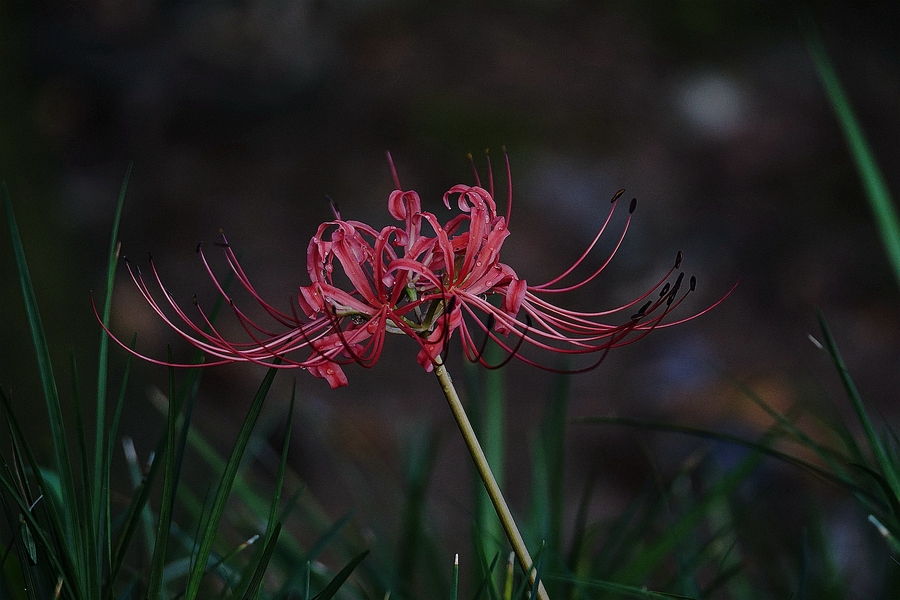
(487, 476)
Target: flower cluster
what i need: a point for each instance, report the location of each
(424, 279)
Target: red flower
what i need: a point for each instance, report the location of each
(426, 285)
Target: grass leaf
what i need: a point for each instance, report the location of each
(878, 449)
(837, 479)
(883, 207)
(621, 590)
(104, 438)
(167, 501)
(217, 509)
(422, 455)
(335, 584)
(70, 531)
(255, 587)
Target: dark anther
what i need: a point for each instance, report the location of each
(512, 352)
(150, 256)
(479, 354)
(334, 208)
(643, 311)
(675, 289)
(664, 290)
(617, 196)
(445, 317)
(199, 245)
(125, 258)
(194, 300)
(678, 258)
(632, 206)
(693, 283)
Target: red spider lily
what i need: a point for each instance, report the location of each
(425, 280)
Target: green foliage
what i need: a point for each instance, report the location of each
(66, 541)
(879, 197)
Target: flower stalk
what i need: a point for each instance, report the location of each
(487, 477)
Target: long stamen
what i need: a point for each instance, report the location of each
(393, 171)
(509, 188)
(545, 287)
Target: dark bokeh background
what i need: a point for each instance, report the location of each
(244, 115)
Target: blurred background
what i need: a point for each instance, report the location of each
(244, 115)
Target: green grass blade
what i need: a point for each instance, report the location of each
(578, 557)
(657, 551)
(836, 425)
(80, 432)
(549, 466)
(487, 571)
(219, 563)
(231, 468)
(254, 590)
(486, 407)
(722, 578)
(833, 459)
(60, 558)
(888, 467)
(509, 576)
(326, 538)
(422, 455)
(838, 479)
(134, 516)
(272, 521)
(104, 488)
(199, 446)
(102, 437)
(57, 562)
(889, 537)
(137, 512)
(883, 207)
(538, 573)
(621, 590)
(86, 523)
(282, 463)
(167, 501)
(335, 584)
(307, 572)
(70, 531)
(14, 572)
(882, 483)
(454, 581)
(311, 513)
(253, 499)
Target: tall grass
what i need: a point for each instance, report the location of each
(66, 538)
